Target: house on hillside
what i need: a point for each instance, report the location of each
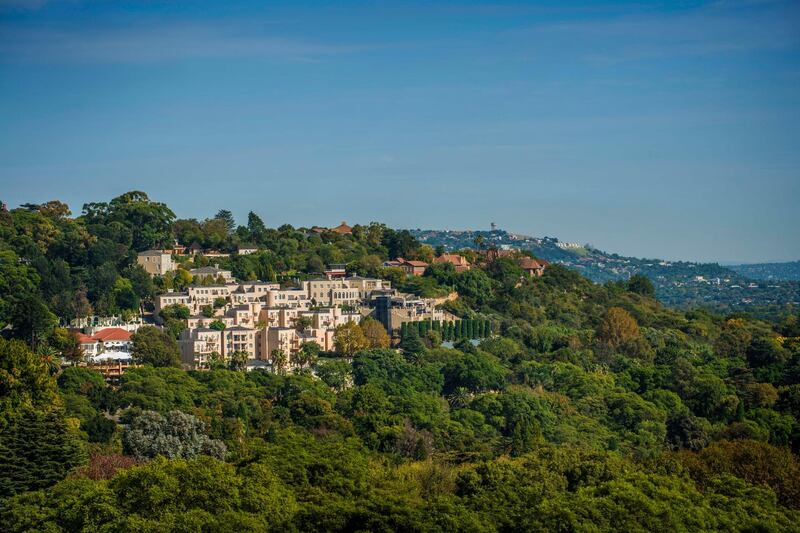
(412, 268)
(247, 249)
(533, 267)
(156, 262)
(459, 262)
(105, 343)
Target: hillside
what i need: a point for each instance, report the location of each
(678, 283)
(560, 405)
(789, 271)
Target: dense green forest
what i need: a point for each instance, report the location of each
(582, 407)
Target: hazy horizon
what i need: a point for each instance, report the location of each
(665, 130)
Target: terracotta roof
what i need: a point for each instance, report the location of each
(342, 228)
(529, 263)
(415, 263)
(458, 260)
(112, 334)
(84, 339)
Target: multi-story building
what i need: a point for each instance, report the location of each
(202, 295)
(240, 339)
(259, 317)
(392, 310)
(290, 340)
(292, 297)
(366, 286)
(200, 344)
(326, 292)
(252, 292)
(170, 298)
(156, 262)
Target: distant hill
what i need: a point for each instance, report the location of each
(678, 283)
(770, 271)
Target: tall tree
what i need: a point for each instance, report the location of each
(349, 339)
(152, 346)
(255, 227)
(617, 328)
(227, 217)
(375, 333)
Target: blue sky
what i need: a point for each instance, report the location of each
(657, 129)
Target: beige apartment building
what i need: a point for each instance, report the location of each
(294, 297)
(170, 298)
(346, 291)
(198, 345)
(289, 340)
(156, 262)
(252, 292)
(202, 295)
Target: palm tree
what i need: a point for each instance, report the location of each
(479, 240)
(459, 398)
(306, 355)
(238, 360)
(49, 356)
(279, 361)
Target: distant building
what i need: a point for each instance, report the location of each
(343, 229)
(459, 262)
(247, 249)
(532, 267)
(156, 262)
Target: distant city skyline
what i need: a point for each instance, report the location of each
(662, 130)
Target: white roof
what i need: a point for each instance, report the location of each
(112, 356)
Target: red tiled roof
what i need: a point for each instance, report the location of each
(112, 334)
(84, 339)
(415, 263)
